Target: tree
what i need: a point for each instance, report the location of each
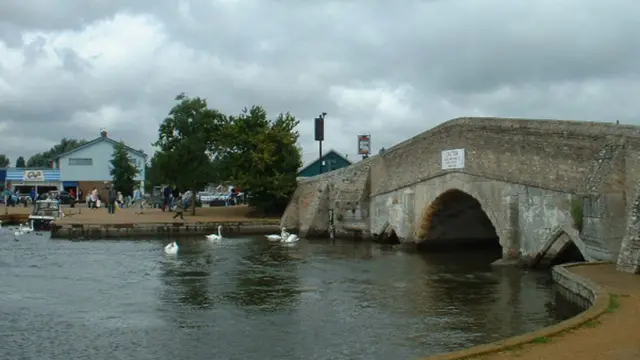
(153, 174)
(4, 161)
(42, 159)
(261, 156)
(20, 163)
(184, 139)
(123, 170)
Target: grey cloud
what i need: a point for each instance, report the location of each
(571, 59)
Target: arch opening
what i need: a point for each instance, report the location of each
(561, 250)
(455, 221)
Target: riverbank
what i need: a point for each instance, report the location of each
(84, 223)
(14, 215)
(605, 331)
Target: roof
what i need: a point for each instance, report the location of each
(323, 155)
(97, 140)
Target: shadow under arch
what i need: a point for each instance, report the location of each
(563, 246)
(456, 219)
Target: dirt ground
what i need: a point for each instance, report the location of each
(614, 336)
(83, 215)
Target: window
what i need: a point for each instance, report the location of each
(81, 161)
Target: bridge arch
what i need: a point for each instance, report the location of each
(458, 218)
(561, 246)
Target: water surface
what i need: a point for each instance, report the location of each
(250, 299)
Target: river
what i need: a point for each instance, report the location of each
(250, 299)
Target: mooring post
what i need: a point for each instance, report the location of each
(332, 229)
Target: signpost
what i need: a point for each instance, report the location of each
(319, 135)
(453, 159)
(364, 145)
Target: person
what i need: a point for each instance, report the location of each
(111, 206)
(137, 197)
(120, 200)
(179, 208)
(166, 192)
(93, 198)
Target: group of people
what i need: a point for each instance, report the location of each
(173, 199)
(115, 199)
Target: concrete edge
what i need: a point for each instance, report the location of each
(599, 306)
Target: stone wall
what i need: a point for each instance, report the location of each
(556, 155)
(346, 191)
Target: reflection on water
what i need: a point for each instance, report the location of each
(248, 299)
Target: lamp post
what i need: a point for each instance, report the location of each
(319, 134)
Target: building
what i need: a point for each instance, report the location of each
(89, 165)
(26, 179)
(3, 178)
(331, 160)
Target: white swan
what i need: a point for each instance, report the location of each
(273, 237)
(288, 238)
(276, 237)
(214, 237)
(171, 248)
(291, 238)
(21, 230)
(28, 229)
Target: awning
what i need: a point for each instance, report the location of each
(69, 184)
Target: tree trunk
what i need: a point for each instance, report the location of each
(193, 203)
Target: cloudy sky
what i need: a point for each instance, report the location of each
(388, 68)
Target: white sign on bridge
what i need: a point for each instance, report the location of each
(453, 159)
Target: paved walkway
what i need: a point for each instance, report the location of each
(615, 336)
(84, 215)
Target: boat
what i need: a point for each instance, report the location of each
(44, 212)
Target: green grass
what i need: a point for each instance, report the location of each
(614, 302)
(540, 340)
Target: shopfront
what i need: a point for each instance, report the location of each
(25, 180)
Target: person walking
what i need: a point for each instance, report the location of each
(113, 196)
(179, 208)
(137, 198)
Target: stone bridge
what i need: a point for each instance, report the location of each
(538, 186)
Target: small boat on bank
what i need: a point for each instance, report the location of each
(44, 212)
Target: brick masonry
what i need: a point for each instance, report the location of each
(526, 174)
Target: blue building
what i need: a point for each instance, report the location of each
(26, 179)
(3, 177)
(331, 160)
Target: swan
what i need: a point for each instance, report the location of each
(171, 248)
(291, 238)
(28, 229)
(276, 237)
(218, 236)
(288, 238)
(273, 237)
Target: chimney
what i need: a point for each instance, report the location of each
(103, 132)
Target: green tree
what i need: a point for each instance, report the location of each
(153, 174)
(123, 170)
(261, 156)
(4, 161)
(42, 159)
(20, 163)
(184, 139)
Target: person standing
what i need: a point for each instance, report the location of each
(179, 208)
(113, 196)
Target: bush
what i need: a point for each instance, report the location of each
(577, 212)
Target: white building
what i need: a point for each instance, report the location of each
(89, 165)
